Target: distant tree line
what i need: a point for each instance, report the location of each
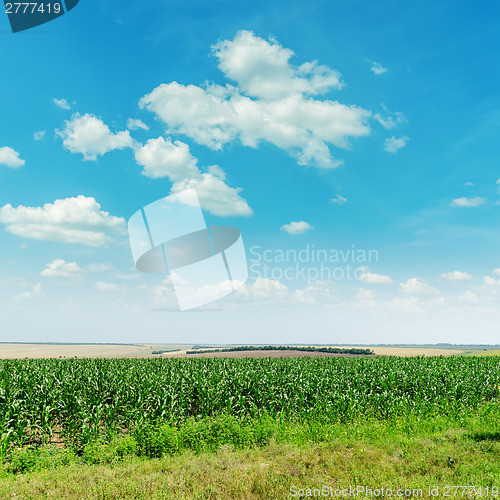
(165, 350)
(330, 350)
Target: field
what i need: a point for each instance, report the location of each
(65, 351)
(427, 418)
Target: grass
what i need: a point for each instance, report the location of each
(265, 458)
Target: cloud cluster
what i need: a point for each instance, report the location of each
(10, 157)
(455, 276)
(272, 102)
(163, 158)
(59, 268)
(417, 286)
(71, 220)
(262, 69)
(91, 137)
(376, 279)
(299, 227)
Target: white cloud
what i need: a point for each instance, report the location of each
(393, 145)
(456, 276)
(217, 171)
(215, 195)
(468, 202)
(416, 286)
(468, 183)
(299, 227)
(10, 157)
(469, 297)
(36, 290)
(91, 137)
(318, 292)
(376, 279)
(99, 267)
(71, 220)
(136, 124)
(377, 68)
(389, 120)
(59, 268)
(339, 200)
(162, 158)
(264, 288)
(496, 272)
(39, 135)
(102, 286)
(276, 109)
(61, 103)
(489, 281)
(262, 69)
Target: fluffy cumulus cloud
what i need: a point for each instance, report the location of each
(10, 157)
(377, 68)
(163, 158)
(468, 202)
(393, 145)
(71, 220)
(454, 276)
(416, 286)
(299, 227)
(215, 195)
(59, 268)
(375, 279)
(263, 69)
(272, 102)
(91, 137)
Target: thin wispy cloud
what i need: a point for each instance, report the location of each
(468, 202)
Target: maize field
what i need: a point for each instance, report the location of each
(84, 398)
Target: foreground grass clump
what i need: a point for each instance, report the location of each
(223, 458)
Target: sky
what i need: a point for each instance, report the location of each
(353, 144)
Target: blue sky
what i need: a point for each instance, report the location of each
(337, 125)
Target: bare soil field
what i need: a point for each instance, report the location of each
(13, 351)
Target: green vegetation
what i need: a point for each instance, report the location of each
(408, 414)
(406, 452)
(331, 350)
(165, 350)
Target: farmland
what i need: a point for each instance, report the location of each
(86, 412)
(12, 350)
